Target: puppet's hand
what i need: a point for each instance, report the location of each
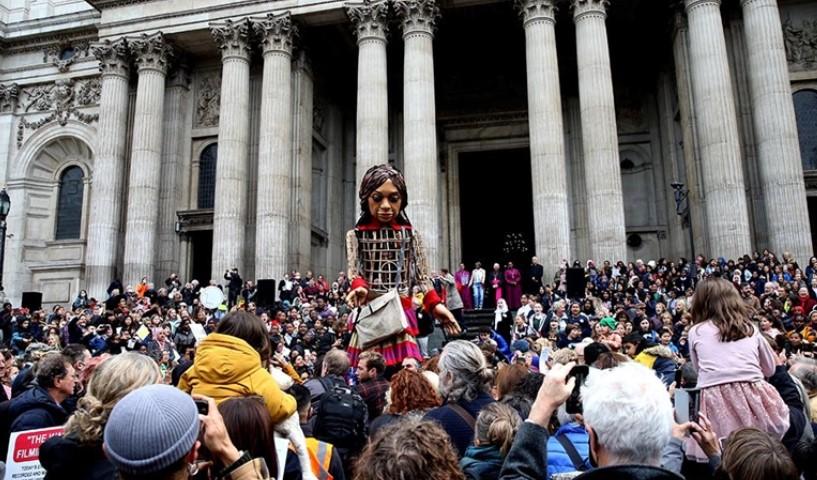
(449, 323)
(357, 297)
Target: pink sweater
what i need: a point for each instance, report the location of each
(749, 359)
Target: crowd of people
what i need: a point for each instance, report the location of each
(149, 383)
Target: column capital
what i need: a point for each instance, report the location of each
(8, 97)
(417, 16)
(370, 19)
(536, 10)
(151, 52)
(114, 57)
(179, 75)
(589, 8)
(276, 32)
(692, 4)
(232, 38)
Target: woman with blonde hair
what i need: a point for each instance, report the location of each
(78, 454)
(495, 429)
(732, 359)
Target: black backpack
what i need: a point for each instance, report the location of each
(341, 416)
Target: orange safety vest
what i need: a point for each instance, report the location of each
(320, 456)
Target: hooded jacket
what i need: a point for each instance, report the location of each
(482, 463)
(227, 367)
(34, 409)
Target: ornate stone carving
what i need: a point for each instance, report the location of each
(64, 97)
(151, 52)
(417, 15)
(370, 19)
(63, 53)
(801, 42)
(232, 37)
(583, 8)
(208, 103)
(114, 57)
(533, 10)
(8, 97)
(276, 32)
(89, 92)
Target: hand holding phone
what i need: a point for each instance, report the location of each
(574, 401)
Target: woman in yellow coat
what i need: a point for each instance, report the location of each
(229, 364)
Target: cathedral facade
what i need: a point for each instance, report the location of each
(140, 138)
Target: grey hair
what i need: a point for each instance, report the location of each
(464, 373)
(630, 412)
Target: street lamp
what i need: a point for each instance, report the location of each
(5, 206)
(682, 210)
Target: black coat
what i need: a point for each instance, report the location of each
(35, 409)
(64, 458)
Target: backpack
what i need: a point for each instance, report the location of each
(341, 416)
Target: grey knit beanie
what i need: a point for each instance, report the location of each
(150, 429)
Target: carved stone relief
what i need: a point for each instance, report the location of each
(801, 41)
(63, 53)
(62, 98)
(209, 101)
(8, 97)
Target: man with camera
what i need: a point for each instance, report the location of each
(628, 416)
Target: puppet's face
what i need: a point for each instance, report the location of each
(385, 202)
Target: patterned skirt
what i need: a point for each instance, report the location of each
(395, 349)
(733, 406)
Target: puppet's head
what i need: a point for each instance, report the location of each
(383, 196)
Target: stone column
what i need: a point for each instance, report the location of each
(781, 170)
(109, 167)
(173, 147)
(605, 203)
(420, 163)
(551, 214)
(274, 146)
(230, 206)
(714, 104)
(371, 25)
(152, 55)
(300, 232)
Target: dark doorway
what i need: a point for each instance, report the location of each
(201, 256)
(496, 207)
(812, 220)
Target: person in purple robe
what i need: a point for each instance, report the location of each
(513, 287)
(462, 278)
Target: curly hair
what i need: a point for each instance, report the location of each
(411, 391)
(112, 379)
(407, 449)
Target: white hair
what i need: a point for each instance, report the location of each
(630, 411)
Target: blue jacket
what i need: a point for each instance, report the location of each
(558, 459)
(35, 409)
(482, 463)
(501, 345)
(462, 435)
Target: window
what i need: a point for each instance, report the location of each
(805, 108)
(207, 176)
(69, 206)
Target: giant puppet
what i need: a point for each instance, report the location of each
(386, 260)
